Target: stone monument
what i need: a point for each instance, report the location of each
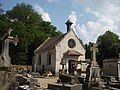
(5, 60)
(66, 81)
(7, 73)
(94, 69)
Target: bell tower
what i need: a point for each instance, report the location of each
(68, 23)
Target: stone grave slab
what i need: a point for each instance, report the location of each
(64, 86)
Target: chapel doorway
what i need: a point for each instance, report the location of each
(71, 66)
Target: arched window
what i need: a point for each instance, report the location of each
(48, 59)
(39, 59)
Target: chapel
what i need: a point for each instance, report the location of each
(63, 51)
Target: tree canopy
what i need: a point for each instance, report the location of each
(88, 52)
(108, 46)
(30, 28)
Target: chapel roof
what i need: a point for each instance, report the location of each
(50, 43)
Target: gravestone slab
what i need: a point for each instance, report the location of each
(65, 87)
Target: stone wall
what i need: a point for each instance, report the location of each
(44, 57)
(62, 47)
(110, 68)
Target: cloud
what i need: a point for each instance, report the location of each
(51, 1)
(40, 10)
(106, 17)
(73, 18)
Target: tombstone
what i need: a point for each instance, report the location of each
(4, 57)
(66, 82)
(93, 69)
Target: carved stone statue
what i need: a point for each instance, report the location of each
(4, 57)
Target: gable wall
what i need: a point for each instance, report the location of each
(62, 47)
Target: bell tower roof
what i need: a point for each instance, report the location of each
(68, 23)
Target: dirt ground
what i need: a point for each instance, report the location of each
(45, 81)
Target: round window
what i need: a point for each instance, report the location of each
(71, 43)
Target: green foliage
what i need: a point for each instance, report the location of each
(108, 46)
(88, 52)
(29, 27)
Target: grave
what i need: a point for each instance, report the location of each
(93, 77)
(5, 60)
(64, 87)
(27, 83)
(66, 81)
(7, 73)
(93, 69)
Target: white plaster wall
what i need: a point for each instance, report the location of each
(44, 60)
(62, 47)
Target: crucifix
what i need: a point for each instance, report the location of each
(4, 57)
(94, 49)
(94, 69)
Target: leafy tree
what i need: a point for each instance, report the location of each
(88, 52)
(30, 28)
(108, 46)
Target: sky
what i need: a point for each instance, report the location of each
(91, 18)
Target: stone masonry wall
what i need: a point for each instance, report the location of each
(62, 47)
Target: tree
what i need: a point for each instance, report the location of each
(108, 46)
(88, 52)
(30, 28)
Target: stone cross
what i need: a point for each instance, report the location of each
(4, 57)
(94, 49)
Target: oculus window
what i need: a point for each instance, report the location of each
(71, 43)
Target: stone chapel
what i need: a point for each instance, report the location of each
(65, 48)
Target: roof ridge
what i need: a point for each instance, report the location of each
(56, 40)
(42, 44)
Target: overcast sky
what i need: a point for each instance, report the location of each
(91, 18)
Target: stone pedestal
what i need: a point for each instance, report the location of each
(5, 60)
(7, 76)
(65, 87)
(95, 74)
